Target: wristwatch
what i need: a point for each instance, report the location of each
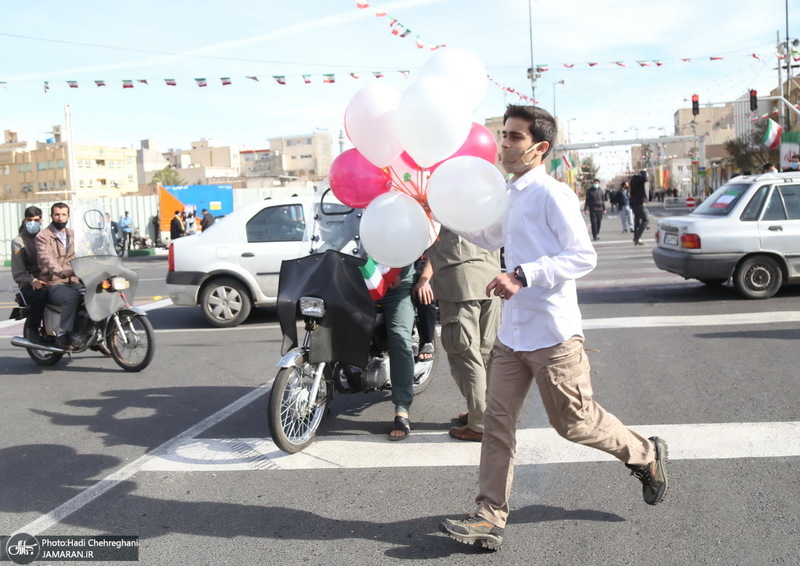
(518, 273)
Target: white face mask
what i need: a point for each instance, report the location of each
(513, 159)
(33, 227)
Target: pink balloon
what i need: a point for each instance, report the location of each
(480, 143)
(355, 181)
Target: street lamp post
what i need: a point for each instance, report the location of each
(788, 50)
(561, 82)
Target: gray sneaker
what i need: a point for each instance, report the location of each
(653, 475)
(473, 529)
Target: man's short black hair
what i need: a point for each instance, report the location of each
(59, 205)
(541, 125)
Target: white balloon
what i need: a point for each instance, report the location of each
(467, 194)
(462, 66)
(434, 118)
(394, 229)
(370, 123)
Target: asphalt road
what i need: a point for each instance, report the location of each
(180, 454)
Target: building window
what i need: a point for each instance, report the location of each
(60, 163)
(43, 185)
(62, 184)
(41, 165)
(8, 189)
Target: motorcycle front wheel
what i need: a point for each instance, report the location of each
(294, 418)
(133, 344)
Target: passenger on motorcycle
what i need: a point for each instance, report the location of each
(26, 273)
(55, 246)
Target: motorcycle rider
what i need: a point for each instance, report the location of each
(56, 249)
(26, 273)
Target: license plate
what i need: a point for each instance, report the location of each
(671, 239)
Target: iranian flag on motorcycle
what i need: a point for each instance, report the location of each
(378, 277)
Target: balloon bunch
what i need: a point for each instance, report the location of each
(419, 160)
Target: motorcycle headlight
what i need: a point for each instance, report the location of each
(312, 306)
(119, 283)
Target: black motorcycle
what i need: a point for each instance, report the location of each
(105, 315)
(344, 349)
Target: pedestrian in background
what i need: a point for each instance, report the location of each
(126, 225)
(595, 205)
(176, 226)
(459, 271)
(624, 203)
(207, 221)
(638, 184)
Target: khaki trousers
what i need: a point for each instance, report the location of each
(562, 374)
(468, 331)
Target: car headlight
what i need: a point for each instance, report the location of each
(312, 306)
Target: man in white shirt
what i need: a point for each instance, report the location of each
(541, 336)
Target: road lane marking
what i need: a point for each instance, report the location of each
(436, 449)
(126, 472)
(734, 319)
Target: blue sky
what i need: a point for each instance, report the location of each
(85, 41)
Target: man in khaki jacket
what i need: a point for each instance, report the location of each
(459, 271)
(55, 247)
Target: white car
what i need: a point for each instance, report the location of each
(748, 230)
(234, 265)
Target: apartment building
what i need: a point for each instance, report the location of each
(32, 171)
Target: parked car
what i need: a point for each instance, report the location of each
(234, 265)
(747, 230)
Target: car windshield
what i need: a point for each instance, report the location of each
(722, 201)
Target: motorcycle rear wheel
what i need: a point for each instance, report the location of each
(293, 420)
(43, 357)
(135, 350)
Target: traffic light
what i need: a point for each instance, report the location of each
(753, 100)
(695, 105)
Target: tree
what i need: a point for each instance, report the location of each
(588, 170)
(747, 152)
(168, 176)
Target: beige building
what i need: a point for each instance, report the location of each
(307, 156)
(37, 171)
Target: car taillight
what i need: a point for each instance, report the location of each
(658, 233)
(690, 241)
(171, 258)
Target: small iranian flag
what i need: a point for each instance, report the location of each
(72, 84)
(170, 82)
(280, 79)
(328, 79)
(378, 277)
(567, 162)
(201, 82)
(100, 83)
(225, 81)
(127, 84)
(772, 135)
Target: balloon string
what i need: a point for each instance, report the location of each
(417, 190)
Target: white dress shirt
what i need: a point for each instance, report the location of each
(543, 231)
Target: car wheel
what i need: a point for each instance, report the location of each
(225, 302)
(758, 277)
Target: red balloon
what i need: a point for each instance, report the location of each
(355, 181)
(480, 143)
